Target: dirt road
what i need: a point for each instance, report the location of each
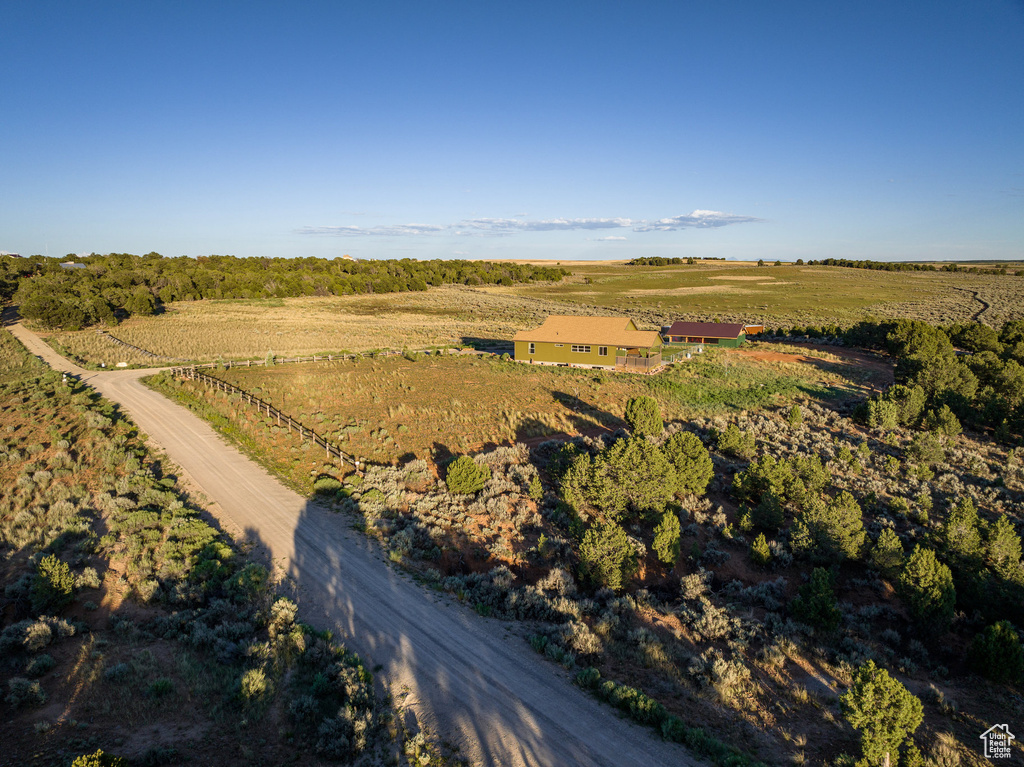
(468, 678)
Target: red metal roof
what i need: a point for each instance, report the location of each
(705, 329)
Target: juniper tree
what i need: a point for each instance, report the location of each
(644, 416)
(691, 460)
(830, 532)
(795, 416)
(882, 710)
(816, 604)
(738, 443)
(926, 585)
(465, 476)
(53, 587)
(961, 531)
(666, 538)
(1003, 548)
(639, 477)
(607, 557)
(760, 553)
(996, 653)
(887, 555)
(942, 421)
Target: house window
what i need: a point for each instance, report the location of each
(531, 347)
(602, 351)
(559, 346)
(581, 349)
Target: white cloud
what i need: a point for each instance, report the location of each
(699, 219)
(396, 230)
(503, 227)
(609, 238)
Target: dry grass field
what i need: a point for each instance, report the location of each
(430, 408)
(729, 291)
(783, 295)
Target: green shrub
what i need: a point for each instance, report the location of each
(248, 583)
(22, 692)
(254, 685)
(736, 443)
(99, 759)
(53, 587)
(795, 416)
(160, 688)
(666, 538)
(465, 476)
(997, 654)
(40, 665)
(926, 448)
(760, 553)
(816, 604)
(644, 416)
(942, 421)
(325, 485)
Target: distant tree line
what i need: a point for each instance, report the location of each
(118, 285)
(661, 261)
(903, 266)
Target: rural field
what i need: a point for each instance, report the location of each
(435, 406)
(722, 627)
(783, 296)
(724, 550)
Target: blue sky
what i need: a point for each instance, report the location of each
(520, 130)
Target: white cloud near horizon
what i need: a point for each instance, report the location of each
(699, 219)
(500, 227)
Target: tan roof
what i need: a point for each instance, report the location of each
(613, 331)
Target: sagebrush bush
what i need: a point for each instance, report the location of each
(22, 692)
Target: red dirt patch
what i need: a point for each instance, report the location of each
(878, 369)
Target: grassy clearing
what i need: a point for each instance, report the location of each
(436, 406)
(240, 329)
(781, 295)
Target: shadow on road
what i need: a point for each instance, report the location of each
(449, 669)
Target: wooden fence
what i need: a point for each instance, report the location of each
(139, 349)
(271, 412)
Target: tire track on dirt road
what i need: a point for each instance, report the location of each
(469, 679)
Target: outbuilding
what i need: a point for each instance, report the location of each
(706, 333)
(606, 342)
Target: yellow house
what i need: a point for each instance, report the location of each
(606, 342)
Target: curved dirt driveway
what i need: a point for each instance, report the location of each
(468, 678)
